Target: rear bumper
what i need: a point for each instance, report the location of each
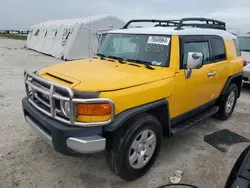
(66, 139)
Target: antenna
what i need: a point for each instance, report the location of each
(89, 30)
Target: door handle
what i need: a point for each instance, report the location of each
(210, 74)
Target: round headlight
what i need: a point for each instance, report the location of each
(65, 107)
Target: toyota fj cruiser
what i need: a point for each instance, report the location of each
(143, 83)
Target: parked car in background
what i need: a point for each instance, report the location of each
(24, 32)
(244, 42)
(3, 32)
(14, 32)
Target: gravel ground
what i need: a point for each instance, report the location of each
(27, 161)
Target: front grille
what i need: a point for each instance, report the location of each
(41, 98)
(45, 100)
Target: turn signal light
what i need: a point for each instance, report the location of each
(94, 109)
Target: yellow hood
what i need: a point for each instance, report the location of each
(99, 75)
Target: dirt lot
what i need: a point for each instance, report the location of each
(27, 161)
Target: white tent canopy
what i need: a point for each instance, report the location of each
(71, 38)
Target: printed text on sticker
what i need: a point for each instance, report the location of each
(158, 40)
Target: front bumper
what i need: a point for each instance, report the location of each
(66, 139)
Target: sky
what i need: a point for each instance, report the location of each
(16, 14)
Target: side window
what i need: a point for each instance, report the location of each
(237, 47)
(218, 49)
(201, 47)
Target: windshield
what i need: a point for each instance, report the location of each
(152, 50)
(244, 43)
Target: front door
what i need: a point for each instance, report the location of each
(193, 91)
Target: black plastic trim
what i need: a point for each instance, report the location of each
(124, 116)
(229, 81)
(186, 115)
(85, 94)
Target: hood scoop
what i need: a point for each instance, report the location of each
(59, 78)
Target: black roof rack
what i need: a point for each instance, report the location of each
(209, 23)
(159, 22)
(179, 24)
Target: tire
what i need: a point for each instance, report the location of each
(224, 113)
(119, 149)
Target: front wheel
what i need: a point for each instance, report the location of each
(228, 103)
(135, 147)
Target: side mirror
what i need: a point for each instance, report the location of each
(194, 60)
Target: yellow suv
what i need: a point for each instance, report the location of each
(143, 83)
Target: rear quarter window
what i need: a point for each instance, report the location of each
(237, 47)
(218, 49)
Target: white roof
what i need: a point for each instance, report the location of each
(172, 31)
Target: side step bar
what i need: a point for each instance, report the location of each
(195, 119)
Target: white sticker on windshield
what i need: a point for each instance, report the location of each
(158, 40)
(156, 63)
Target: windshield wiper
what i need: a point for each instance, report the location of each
(120, 60)
(102, 56)
(134, 65)
(149, 67)
(142, 62)
(245, 50)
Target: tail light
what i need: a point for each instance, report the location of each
(244, 63)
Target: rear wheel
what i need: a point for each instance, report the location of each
(135, 147)
(228, 103)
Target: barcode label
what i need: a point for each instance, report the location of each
(158, 40)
